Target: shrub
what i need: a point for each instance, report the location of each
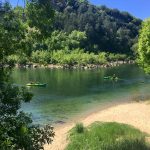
(72, 57)
(79, 128)
(22, 60)
(13, 59)
(116, 57)
(41, 56)
(57, 57)
(101, 58)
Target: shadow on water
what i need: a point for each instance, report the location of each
(71, 92)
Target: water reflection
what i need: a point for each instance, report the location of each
(70, 92)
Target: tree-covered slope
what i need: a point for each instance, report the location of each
(107, 29)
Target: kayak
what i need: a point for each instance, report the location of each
(111, 78)
(36, 84)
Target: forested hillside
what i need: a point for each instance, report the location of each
(74, 32)
(107, 29)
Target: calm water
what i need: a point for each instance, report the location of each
(70, 93)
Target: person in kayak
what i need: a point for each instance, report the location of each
(32, 82)
(114, 77)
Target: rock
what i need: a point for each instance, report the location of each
(35, 66)
(59, 122)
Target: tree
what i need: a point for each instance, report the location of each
(11, 33)
(40, 16)
(17, 130)
(101, 24)
(144, 46)
(64, 41)
(37, 17)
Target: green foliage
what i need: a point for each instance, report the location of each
(42, 57)
(57, 41)
(67, 49)
(144, 46)
(40, 16)
(116, 57)
(74, 57)
(17, 59)
(79, 128)
(12, 60)
(102, 58)
(108, 136)
(11, 34)
(78, 25)
(64, 41)
(17, 130)
(31, 40)
(76, 39)
(108, 29)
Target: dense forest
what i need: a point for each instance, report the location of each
(107, 29)
(75, 32)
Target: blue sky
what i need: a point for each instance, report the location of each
(138, 8)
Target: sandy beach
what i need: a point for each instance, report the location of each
(132, 113)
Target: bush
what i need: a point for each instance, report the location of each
(72, 57)
(116, 57)
(22, 60)
(13, 59)
(57, 57)
(41, 56)
(79, 128)
(101, 58)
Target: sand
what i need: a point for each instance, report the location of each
(136, 114)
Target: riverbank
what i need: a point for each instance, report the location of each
(132, 113)
(66, 66)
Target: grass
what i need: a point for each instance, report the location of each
(107, 136)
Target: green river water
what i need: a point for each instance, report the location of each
(72, 93)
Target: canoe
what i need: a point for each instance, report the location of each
(36, 84)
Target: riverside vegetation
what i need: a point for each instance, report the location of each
(80, 33)
(76, 57)
(106, 136)
(66, 49)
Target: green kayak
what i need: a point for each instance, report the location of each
(36, 84)
(110, 78)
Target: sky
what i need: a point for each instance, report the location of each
(138, 8)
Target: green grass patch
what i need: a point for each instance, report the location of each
(107, 136)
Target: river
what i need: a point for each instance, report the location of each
(71, 93)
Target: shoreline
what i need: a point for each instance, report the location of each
(129, 112)
(77, 66)
(93, 109)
